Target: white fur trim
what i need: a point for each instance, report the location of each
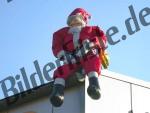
(60, 54)
(60, 81)
(92, 74)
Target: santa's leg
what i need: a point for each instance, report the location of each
(60, 75)
(93, 89)
(57, 95)
(92, 67)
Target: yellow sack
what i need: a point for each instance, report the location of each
(104, 59)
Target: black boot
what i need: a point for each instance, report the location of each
(94, 89)
(57, 96)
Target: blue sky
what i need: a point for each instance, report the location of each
(26, 28)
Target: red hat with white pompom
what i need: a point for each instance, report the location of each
(80, 13)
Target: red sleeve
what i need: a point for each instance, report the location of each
(102, 37)
(57, 44)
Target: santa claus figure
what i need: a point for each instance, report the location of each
(78, 46)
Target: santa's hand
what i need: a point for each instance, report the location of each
(66, 57)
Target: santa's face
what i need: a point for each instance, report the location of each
(76, 21)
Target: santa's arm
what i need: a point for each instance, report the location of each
(57, 45)
(103, 54)
(102, 38)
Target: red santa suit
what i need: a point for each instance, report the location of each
(67, 39)
(83, 44)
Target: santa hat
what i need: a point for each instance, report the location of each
(79, 13)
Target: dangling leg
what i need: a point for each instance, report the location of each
(60, 75)
(93, 89)
(57, 96)
(92, 67)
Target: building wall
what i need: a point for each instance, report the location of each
(40, 106)
(74, 103)
(119, 95)
(141, 99)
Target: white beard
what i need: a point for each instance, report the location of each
(76, 34)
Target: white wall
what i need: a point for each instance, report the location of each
(74, 101)
(141, 99)
(117, 95)
(116, 98)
